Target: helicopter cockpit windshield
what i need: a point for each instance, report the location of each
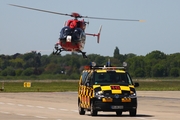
(75, 33)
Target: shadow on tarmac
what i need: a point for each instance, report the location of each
(125, 115)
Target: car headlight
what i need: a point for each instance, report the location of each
(133, 95)
(99, 94)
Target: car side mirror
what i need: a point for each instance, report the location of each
(136, 84)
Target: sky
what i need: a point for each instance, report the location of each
(23, 30)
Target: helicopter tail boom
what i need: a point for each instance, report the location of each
(97, 35)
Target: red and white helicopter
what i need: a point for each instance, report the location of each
(72, 35)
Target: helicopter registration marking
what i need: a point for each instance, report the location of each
(68, 39)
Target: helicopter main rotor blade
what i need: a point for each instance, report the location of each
(40, 10)
(111, 19)
(72, 15)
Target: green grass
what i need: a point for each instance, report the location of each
(41, 87)
(159, 86)
(61, 86)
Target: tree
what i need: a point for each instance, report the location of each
(158, 71)
(130, 55)
(174, 72)
(154, 64)
(116, 53)
(28, 72)
(148, 71)
(18, 72)
(4, 64)
(45, 59)
(115, 62)
(10, 71)
(100, 60)
(4, 72)
(139, 72)
(156, 55)
(136, 64)
(52, 68)
(16, 63)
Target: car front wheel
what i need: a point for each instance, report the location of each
(81, 110)
(93, 111)
(132, 112)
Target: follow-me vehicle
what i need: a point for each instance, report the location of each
(106, 89)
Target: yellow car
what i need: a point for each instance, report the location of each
(106, 89)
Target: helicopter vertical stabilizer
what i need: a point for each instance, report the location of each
(97, 35)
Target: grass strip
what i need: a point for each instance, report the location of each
(41, 87)
(61, 86)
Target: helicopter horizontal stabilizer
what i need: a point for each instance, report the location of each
(97, 35)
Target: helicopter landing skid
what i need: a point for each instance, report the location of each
(58, 50)
(83, 54)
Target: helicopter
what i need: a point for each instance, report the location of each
(73, 36)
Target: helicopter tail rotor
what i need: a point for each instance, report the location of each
(98, 35)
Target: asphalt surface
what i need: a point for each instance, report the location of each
(152, 105)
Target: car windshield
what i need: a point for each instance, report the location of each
(111, 77)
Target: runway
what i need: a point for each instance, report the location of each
(152, 105)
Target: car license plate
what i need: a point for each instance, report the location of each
(117, 107)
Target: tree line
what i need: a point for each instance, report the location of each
(33, 65)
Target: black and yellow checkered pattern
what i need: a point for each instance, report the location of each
(87, 93)
(110, 88)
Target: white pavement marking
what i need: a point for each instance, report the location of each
(10, 103)
(39, 106)
(51, 108)
(63, 109)
(74, 110)
(20, 114)
(40, 117)
(29, 106)
(4, 112)
(20, 105)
